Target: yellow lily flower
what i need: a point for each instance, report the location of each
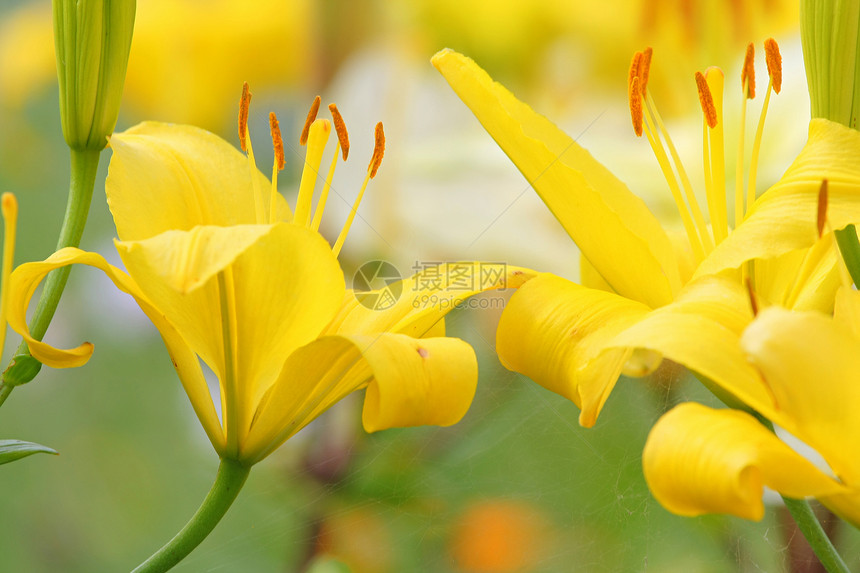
(699, 460)
(232, 278)
(645, 295)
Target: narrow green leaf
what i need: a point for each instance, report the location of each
(11, 450)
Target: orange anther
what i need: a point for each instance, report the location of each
(751, 293)
(634, 68)
(774, 63)
(277, 140)
(312, 115)
(244, 105)
(822, 207)
(378, 151)
(748, 73)
(706, 100)
(340, 129)
(635, 96)
(645, 70)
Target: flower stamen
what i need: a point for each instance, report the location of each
(774, 63)
(342, 144)
(245, 143)
(278, 144)
(715, 159)
(372, 168)
(821, 219)
(716, 201)
(653, 128)
(318, 134)
(244, 106)
(748, 90)
(774, 70)
(312, 116)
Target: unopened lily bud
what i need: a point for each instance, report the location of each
(92, 39)
(828, 30)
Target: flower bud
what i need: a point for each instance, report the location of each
(92, 40)
(829, 34)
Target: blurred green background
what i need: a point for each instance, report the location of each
(517, 485)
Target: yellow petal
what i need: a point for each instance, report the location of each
(174, 177)
(409, 382)
(847, 309)
(698, 460)
(805, 279)
(286, 284)
(554, 332)
(810, 363)
(611, 226)
(424, 298)
(784, 217)
(27, 277)
(701, 330)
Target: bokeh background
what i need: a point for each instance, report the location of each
(517, 486)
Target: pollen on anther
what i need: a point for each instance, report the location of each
(645, 70)
(340, 129)
(822, 207)
(277, 140)
(378, 151)
(634, 67)
(244, 105)
(748, 73)
(706, 100)
(774, 63)
(312, 115)
(635, 97)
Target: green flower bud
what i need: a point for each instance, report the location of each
(830, 33)
(92, 40)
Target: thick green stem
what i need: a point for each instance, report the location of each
(229, 481)
(85, 163)
(849, 246)
(811, 529)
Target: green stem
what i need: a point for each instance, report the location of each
(229, 481)
(849, 246)
(815, 535)
(23, 367)
(809, 525)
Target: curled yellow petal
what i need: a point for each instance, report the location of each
(701, 330)
(555, 332)
(607, 222)
(27, 277)
(698, 460)
(409, 382)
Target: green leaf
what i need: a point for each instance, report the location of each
(11, 450)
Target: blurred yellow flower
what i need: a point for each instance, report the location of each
(645, 295)
(232, 278)
(530, 40)
(186, 57)
(699, 460)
